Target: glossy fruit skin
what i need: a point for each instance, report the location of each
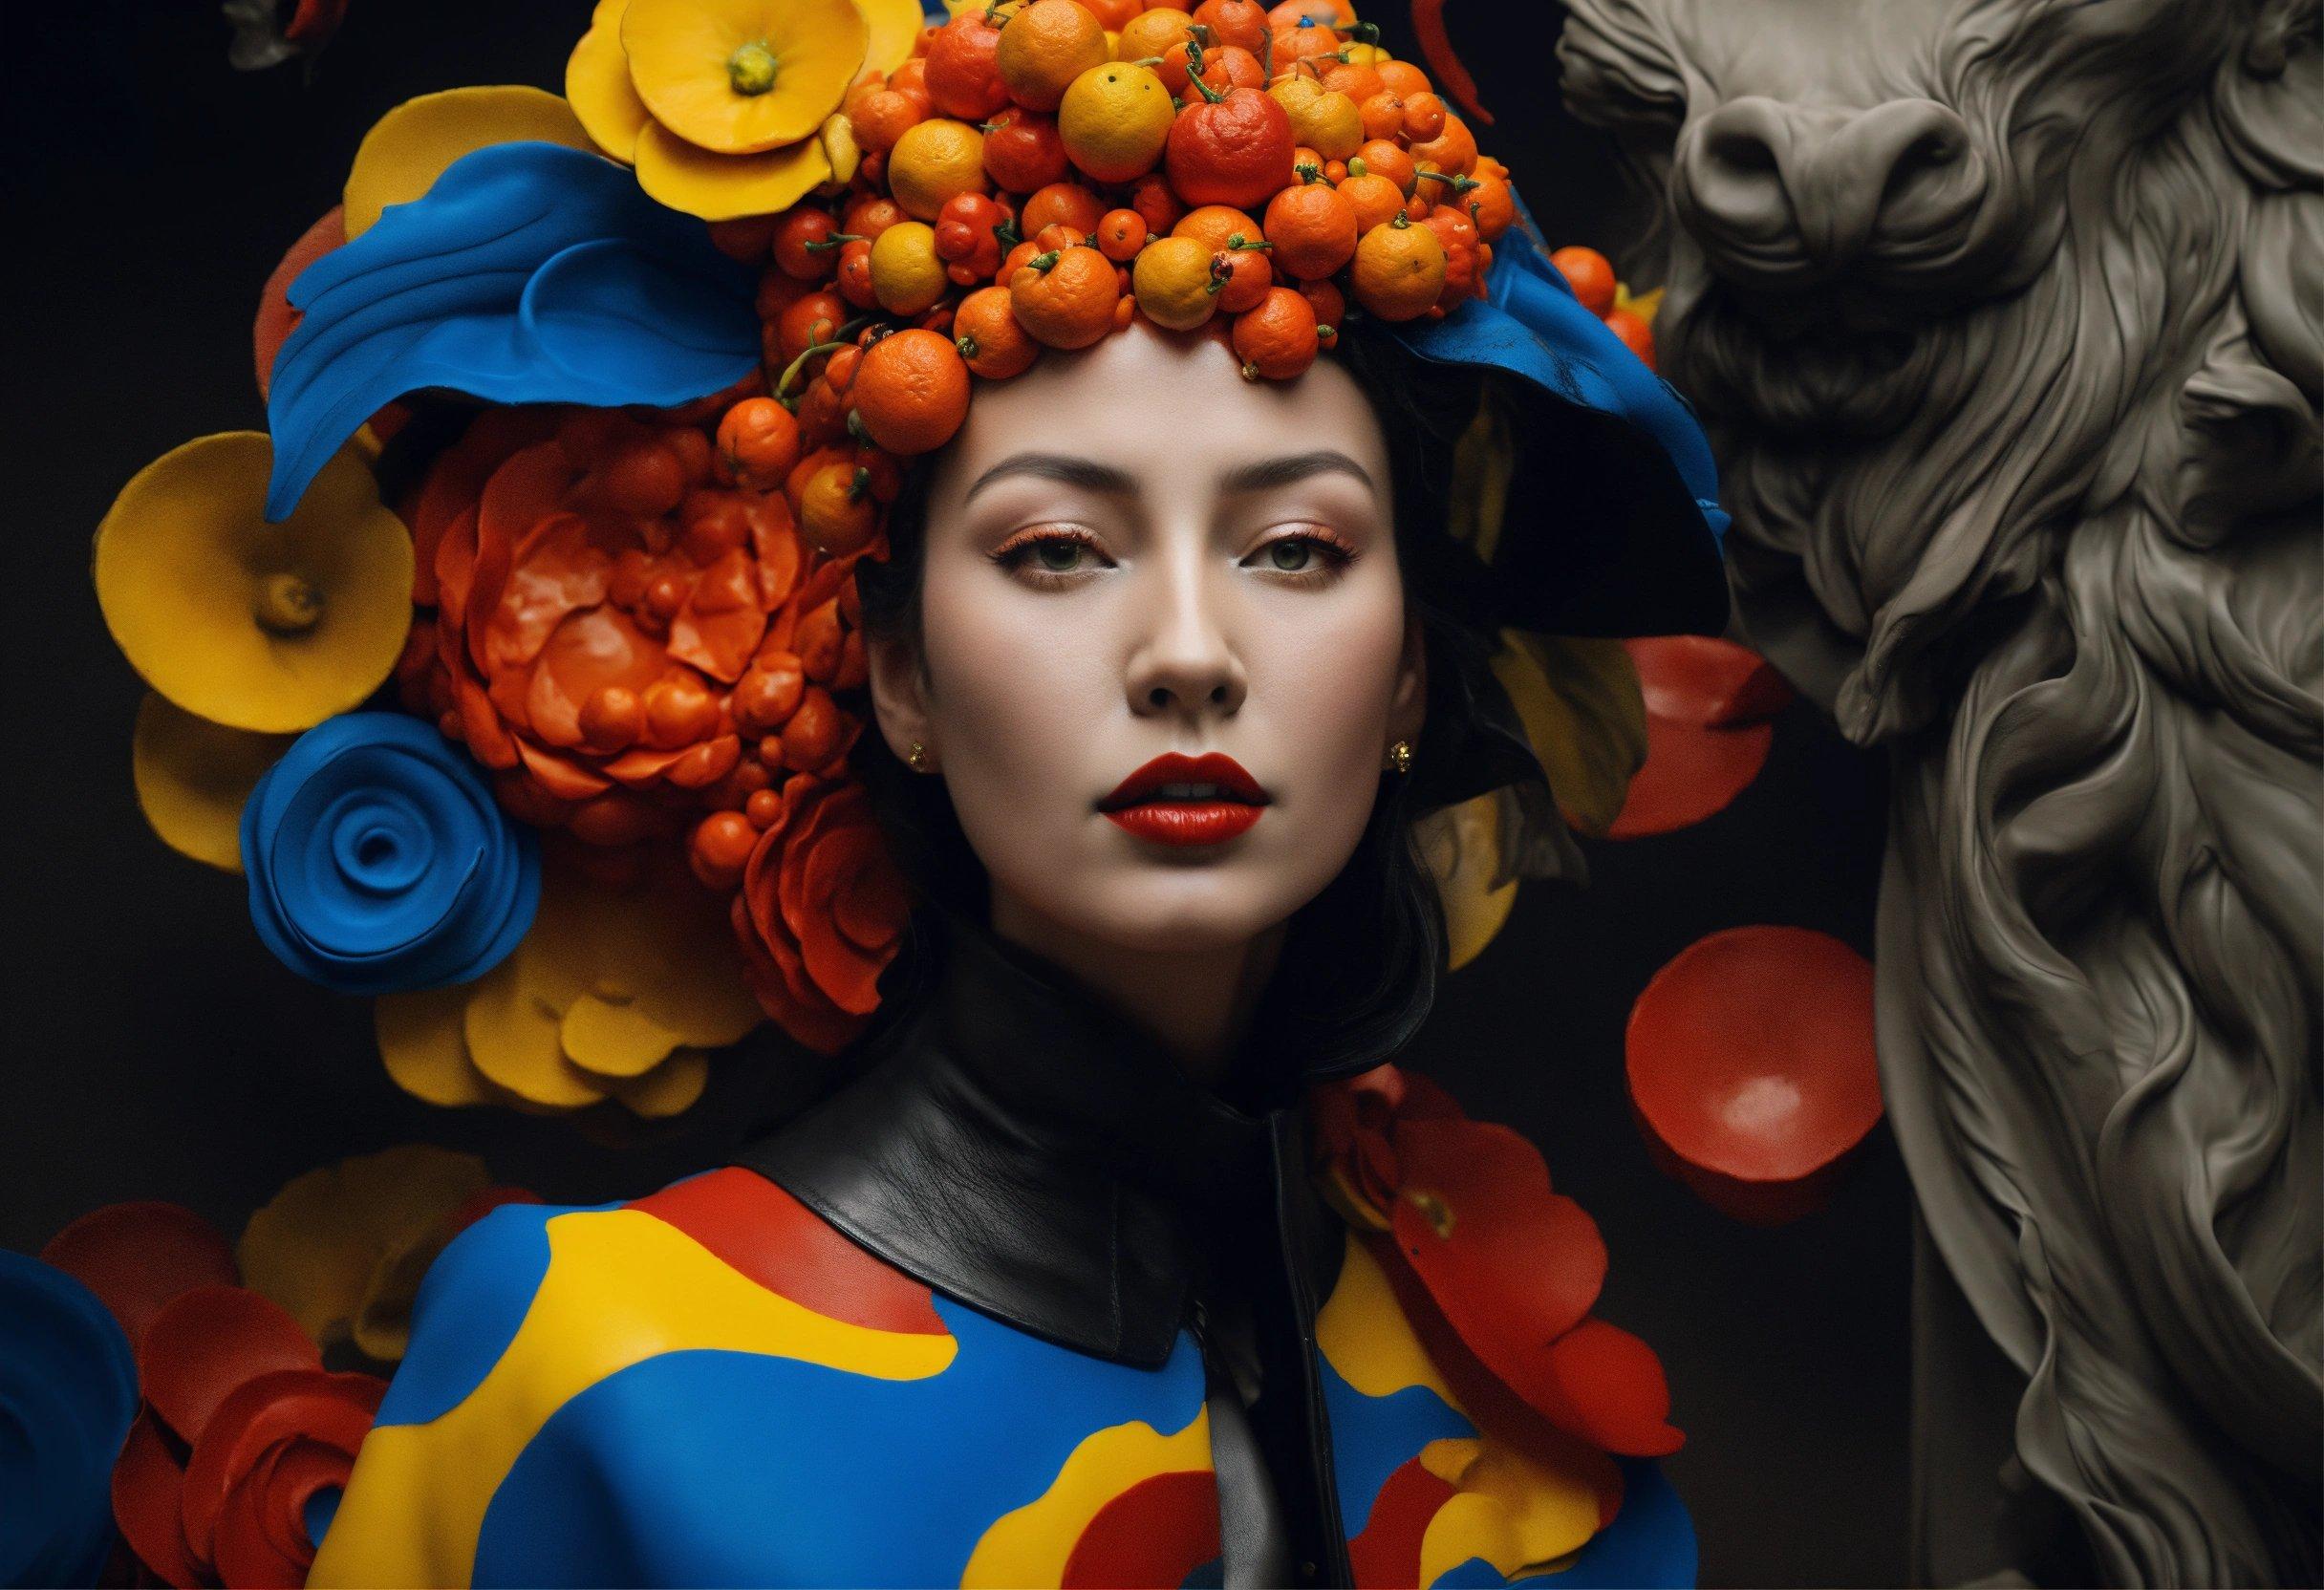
(1399, 271)
(1172, 281)
(1043, 46)
(1635, 333)
(1277, 338)
(1116, 121)
(1591, 276)
(1024, 152)
(963, 73)
(1070, 303)
(1236, 150)
(759, 442)
(1313, 229)
(912, 392)
(989, 338)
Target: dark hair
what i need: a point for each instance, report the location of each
(1360, 962)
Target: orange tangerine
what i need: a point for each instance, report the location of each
(1313, 228)
(1120, 234)
(910, 392)
(1116, 120)
(1163, 31)
(933, 160)
(1385, 158)
(1403, 77)
(1045, 47)
(1591, 276)
(1066, 298)
(1374, 198)
(1399, 271)
(984, 328)
(1276, 336)
(1061, 204)
(1240, 23)
(1172, 281)
(1494, 206)
(1453, 149)
(1215, 225)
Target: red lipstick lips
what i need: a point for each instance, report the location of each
(1182, 799)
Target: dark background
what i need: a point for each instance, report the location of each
(157, 1052)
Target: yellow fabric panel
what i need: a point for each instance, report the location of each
(621, 1287)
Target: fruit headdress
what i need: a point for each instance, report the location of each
(712, 302)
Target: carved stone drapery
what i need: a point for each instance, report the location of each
(2007, 317)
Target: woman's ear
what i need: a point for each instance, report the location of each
(899, 694)
(1409, 705)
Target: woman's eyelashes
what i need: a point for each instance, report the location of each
(1052, 555)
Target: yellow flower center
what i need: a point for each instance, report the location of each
(751, 70)
(288, 605)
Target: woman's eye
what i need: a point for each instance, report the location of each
(1046, 555)
(1317, 556)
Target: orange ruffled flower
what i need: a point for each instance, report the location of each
(1497, 1270)
(820, 913)
(622, 633)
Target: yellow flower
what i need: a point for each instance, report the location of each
(615, 994)
(342, 1248)
(193, 777)
(728, 107)
(408, 148)
(269, 628)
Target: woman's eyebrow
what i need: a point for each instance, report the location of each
(1059, 467)
(1273, 474)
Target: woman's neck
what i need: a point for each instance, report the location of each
(1197, 1002)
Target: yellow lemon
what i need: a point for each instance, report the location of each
(907, 273)
(1172, 281)
(1322, 118)
(933, 160)
(1114, 121)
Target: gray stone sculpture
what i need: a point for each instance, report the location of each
(2007, 319)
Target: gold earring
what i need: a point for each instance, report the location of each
(917, 757)
(1400, 756)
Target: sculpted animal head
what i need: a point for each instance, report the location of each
(2007, 317)
(1943, 279)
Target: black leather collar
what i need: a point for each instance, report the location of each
(1020, 1145)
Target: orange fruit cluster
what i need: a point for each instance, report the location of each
(1041, 173)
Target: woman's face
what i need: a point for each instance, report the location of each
(1133, 552)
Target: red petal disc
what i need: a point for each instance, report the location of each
(276, 318)
(1707, 705)
(262, 1416)
(209, 1341)
(147, 1484)
(1512, 1264)
(1751, 1060)
(140, 1256)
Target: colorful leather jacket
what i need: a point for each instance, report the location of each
(960, 1323)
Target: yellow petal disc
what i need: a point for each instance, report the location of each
(597, 84)
(317, 1246)
(513, 1039)
(1462, 846)
(668, 1089)
(408, 148)
(720, 188)
(426, 1050)
(614, 1039)
(382, 1322)
(272, 628)
(193, 777)
(741, 77)
(894, 26)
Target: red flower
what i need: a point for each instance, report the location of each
(617, 632)
(241, 1427)
(821, 912)
(1497, 1270)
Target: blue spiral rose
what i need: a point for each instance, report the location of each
(380, 863)
(68, 1393)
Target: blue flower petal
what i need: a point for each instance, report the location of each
(380, 863)
(68, 1393)
(1614, 522)
(528, 274)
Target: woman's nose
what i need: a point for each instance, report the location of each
(1185, 661)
